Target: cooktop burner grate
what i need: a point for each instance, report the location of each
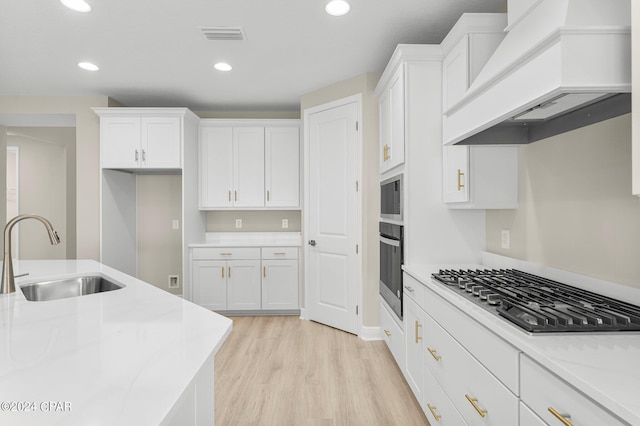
(541, 305)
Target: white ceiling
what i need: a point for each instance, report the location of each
(152, 52)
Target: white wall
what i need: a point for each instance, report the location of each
(87, 158)
(576, 209)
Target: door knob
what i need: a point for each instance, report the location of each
(312, 243)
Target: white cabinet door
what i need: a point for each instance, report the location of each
(120, 142)
(279, 284)
(414, 329)
(392, 123)
(393, 334)
(216, 167)
(248, 173)
(209, 278)
(455, 173)
(455, 74)
(243, 285)
(160, 143)
(480, 177)
(282, 166)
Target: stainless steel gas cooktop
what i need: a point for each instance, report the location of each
(540, 305)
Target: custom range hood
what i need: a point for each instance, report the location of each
(563, 64)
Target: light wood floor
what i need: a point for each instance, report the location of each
(288, 371)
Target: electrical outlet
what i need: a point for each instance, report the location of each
(238, 223)
(285, 223)
(506, 239)
(175, 224)
(174, 282)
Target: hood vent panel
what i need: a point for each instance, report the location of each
(223, 33)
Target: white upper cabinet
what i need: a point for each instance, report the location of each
(480, 177)
(467, 49)
(133, 139)
(282, 166)
(249, 164)
(248, 167)
(392, 121)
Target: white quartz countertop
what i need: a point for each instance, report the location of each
(122, 357)
(605, 367)
(250, 239)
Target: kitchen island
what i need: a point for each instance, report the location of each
(132, 356)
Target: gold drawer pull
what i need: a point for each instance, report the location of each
(474, 402)
(460, 184)
(229, 195)
(279, 254)
(434, 354)
(226, 254)
(267, 195)
(387, 332)
(235, 195)
(229, 274)
(418, 325)
(222, 269)
(434, 412)
(264, 271)
(564, 418)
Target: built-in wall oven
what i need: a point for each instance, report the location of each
(391, 258)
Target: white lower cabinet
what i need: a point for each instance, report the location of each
(529, 418)
(439, 409)
(280, 278)
(392, 333)
(245, 278)
(555, 401)
(445, 377)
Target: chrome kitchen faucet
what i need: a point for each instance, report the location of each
(8, 281)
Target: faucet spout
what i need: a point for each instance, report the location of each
(8, 280)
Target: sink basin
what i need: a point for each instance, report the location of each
(68, 287)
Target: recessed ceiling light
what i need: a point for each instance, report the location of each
(337, 7)
(88, 66)
(223, 66)
(77, 5)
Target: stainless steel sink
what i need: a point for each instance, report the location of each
(69, 287)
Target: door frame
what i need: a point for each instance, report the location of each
(357, 99)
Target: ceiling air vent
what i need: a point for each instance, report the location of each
(223, 33)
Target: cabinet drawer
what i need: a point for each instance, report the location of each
(392, 334)
(279, 253)
(437, 406)
(528, 417)
(543, 392)
(225, 253)
(467, 382)
(414, 289)
(495, 354)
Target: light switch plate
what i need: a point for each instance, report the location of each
(175, 224)
(285, 223)
(238, 223)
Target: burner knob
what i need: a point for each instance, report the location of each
(462, 282)
(469, 286)
(493, 299)
(483, 293)
(476, 290)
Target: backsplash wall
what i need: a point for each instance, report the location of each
(576, 209)
(254, 221)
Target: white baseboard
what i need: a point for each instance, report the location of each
(303, 314)
(370, 333)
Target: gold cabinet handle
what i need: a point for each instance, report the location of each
(226, 254)
(387, 332)
(474, 402)
(222, 270)
(229, 195)
(434, 354)
(267, 195)
(562, 417)
(279, 253)
(460, 176)
(418, 325)
(136, 155)
(235, 195)
(229, 273)
(434, 413)
(144, 155)
(264, 271)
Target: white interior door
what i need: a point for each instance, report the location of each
(332, 217)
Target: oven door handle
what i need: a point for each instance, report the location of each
(389, 241)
